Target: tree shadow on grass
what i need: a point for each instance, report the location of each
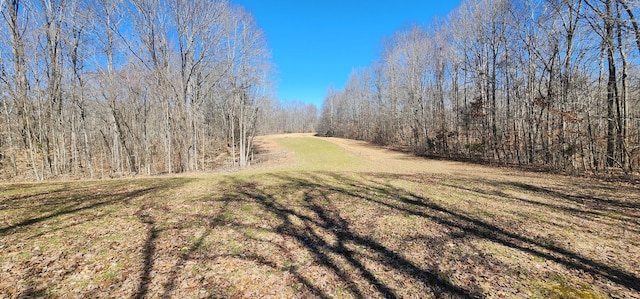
(42, 196)
(147, 253)
(315, 212)
(583, 199)
(411, 203)
(325, 234)
(211, 221)
(75, 204)
(317, 217)
(574, 203)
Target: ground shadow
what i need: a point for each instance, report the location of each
(411, 203)
(318, 218)
(312, 210)
(147, 252)
(577, 202)
(62, 206)
(318, 213)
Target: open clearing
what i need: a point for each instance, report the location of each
(326, 218)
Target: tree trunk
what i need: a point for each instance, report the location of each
(612, 89)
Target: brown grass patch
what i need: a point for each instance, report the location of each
(395, 227)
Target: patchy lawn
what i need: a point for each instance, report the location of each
(341, 219)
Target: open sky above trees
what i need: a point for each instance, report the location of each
(316, 44)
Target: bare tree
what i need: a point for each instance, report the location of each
(528, 82)
(100, 88)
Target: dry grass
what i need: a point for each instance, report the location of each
(339, 219)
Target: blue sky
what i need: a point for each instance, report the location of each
(316, 44)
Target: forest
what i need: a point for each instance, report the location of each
(102, 88)
(98, 89)
(546, 83)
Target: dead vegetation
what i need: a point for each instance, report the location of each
(374, 224)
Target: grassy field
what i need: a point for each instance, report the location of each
(332, 219)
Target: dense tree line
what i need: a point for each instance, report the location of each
(99, 88)
(288, 117)
(546, 82)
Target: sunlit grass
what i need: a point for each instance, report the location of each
(314, 154)
(321, 225)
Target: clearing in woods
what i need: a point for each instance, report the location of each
(323, 218)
